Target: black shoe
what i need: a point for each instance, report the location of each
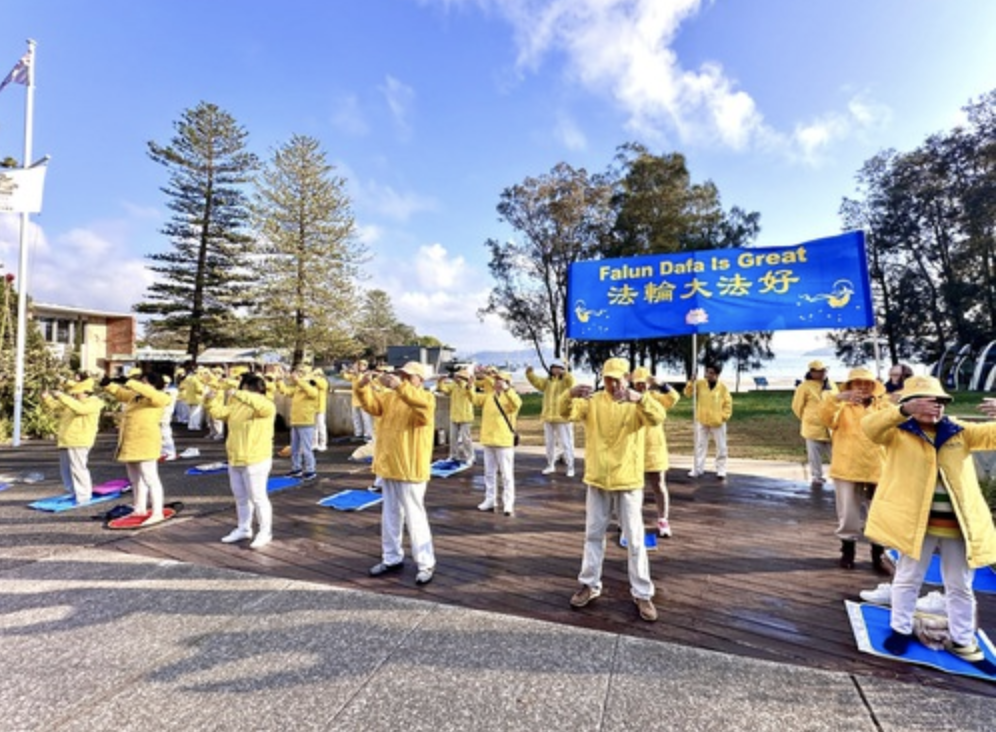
(295, 474)
(383, 568)
(309, 476)
(897, 643)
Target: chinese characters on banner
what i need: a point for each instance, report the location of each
(816, 284)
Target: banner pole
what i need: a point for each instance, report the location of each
(695, 399)
(22, 270)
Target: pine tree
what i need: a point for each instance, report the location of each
(205, 278)
(308, 259)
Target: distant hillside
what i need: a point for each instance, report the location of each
(522, 357)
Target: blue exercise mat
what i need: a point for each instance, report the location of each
(649, 540)
(870, 624)
(351, 500)
(446, 468)
(208, 469)
(67, 502)
(279, 483)
(5, 486)
(985, 577)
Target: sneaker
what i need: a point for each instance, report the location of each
(486, 506)
(881, 595)
(817, 483)
(693, 474)
(897, 643)
(570, 472)
(509, 512)
(295, 474)
(583, 596)
(971, 653)
(549, 469)
(720, 476)
(374, 488)
(424, 576)
(236, 535)
(260, 541)
(647, 610)
(153, 519)
(664, 528)
(309, 476)
(933, 603)
(383, 568)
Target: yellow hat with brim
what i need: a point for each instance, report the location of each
(414, 368)
(817, 365)
(615, 368)
(81, 387)
(863, 374)
(641, 375)
(917, 387)
(134, 372)
(504, 376)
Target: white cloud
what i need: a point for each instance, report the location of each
(570, 135)
(139, 211)
(386, 201)
(348, 116)
(400, 99)
(435, 270)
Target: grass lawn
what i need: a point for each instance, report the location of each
(762, 427)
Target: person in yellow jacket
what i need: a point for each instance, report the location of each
(499, 411)
(806, 408)
(558, 433)
(194, 387)
(656, 459)
(857, 461)
(321, 426)
(249, 416)
(362, 422)
(406, 411)
(460, 390)
(303, 391)
(713, 409)
(140, 439)
(181, 411)
(928, 500)
(614, 421)
(78, 411)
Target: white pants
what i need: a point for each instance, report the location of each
(216, 429)
(362, 424)
(559, 438)
(598, 511)
(169, 447)
(852, 506)
(248, 484)
(321, 432)
(182, 413)
(818, 452)
(404, 504)
(75, 473)
(958, 594)
(461, 442)
(499, 460)
(196, 421)
(144, 479)
(702, 435)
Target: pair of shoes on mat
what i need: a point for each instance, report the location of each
(236, 535)
(384, 568)
(424, 576)
(663, 528)
(585, 595)
(647, 610)
(933, 603)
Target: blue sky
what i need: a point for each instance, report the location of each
(429, 108)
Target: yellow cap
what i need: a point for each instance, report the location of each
(923, 386)
(615, 368)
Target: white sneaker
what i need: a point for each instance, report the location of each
(693, 474)
(881, 595)
(486, 506)
(549, 469)
(236, 535)
(933, 603)
(260, 541)
(570, 472)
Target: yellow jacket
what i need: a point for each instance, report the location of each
(192, 389)
(323, 393)
(854, 456)
(304, 401)
(615, 444)
(806, 407)
(494, 429)
(139, 438)
(552, 390)
(461, 400)
(78, 419)
(899, 511)
(352, 377)
(714, 406)
(250, 426)
(403, 447)
(656, 458)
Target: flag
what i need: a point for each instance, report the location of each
(21, 189)
(19, 74)
(817, 284)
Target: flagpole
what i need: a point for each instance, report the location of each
(22, 270)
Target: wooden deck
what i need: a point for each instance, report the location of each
(751, 569)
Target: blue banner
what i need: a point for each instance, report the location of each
(816, 284)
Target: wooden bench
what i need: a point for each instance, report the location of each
(761, 382)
